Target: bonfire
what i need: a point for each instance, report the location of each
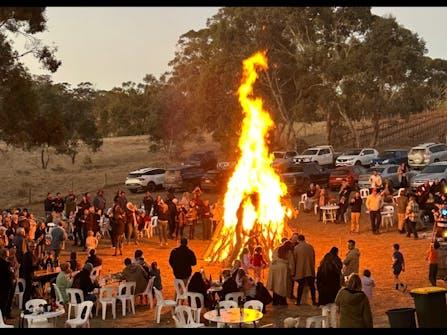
(256, 204)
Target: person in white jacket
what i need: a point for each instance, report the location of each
(368, 284)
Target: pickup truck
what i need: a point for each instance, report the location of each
(323, 155)
(283, 158)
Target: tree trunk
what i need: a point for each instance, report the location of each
(351, 126)
(44, 160)
(376, 129)
(329, 128)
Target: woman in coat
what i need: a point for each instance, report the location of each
(355, 311)
(329, 277)
(280, 278)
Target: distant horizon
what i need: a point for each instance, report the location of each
(144, 39)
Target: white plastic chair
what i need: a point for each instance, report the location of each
(73, 294)
(19, 291)
(316, 208)
(180, 291)
(2, 322)
(58, 293)
(161, 302)
(106, 298)
(387, 216)
(148, 292)
(330, 310)
(256, 305)
(95, 272)
(147, 230)
(302, 201)
(227, 304)
(39, 323)
(401, 190)
(154, 224)
(126, 294)
(194, 298)
(82, 320)
(185, 319)
(318, 321)
(235, 296)
(364, 192)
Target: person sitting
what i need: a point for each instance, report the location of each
(84, 282)
(198, 284)
(135, 273)
(229, 284)
(237, 264)
(63, 281)
(139, 259)
(387, 193)
(310, 198)
(155, 272)
(93, 259)
(246, 284)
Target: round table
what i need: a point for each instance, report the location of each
(329, 213)
(46, 315)
(233, 316)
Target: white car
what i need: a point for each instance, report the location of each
(357, 157)
(322, 155)
(145, 179)
(427, 153)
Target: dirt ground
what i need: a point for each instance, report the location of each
(376, 251)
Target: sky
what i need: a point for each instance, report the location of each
(111, 45)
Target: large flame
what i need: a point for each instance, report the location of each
(254, 184)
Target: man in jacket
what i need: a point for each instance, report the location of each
(83, 282)
(135, 272)
(58, 235)
(99, 202)
(6, 284)
(374, 204)
(352, 260)
(182, 259)
(304, 268)
(148, 203)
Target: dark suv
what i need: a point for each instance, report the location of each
(205, 159)
(184, 177)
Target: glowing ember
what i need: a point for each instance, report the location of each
(253, 208)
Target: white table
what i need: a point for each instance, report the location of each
(233, 316)
(46, 315)
(329, 213)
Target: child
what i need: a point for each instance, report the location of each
(245, 258)
(91, 242)
(398, 266)
(368, 284)
(432, 258)
(258, 263)
(155, 272)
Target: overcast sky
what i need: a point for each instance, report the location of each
(110, 45)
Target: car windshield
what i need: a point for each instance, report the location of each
(388, 154)
(310, 152)
(434, 169)
(353, 152)
(340, 172)
(278, 154)
(380, 170)
(417, 151)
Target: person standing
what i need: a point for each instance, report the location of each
(58, 203)
(352, 260)
(401, 203)
(206, 220)
(148, 203)
(7, 284)
(163, 219)
(119, 216)
(99, 202)
(343, 201)
(355, 310)
(329, 277)
(181, 260)
(172, 215)
(402, 175)
(48, 205)
(374, 204)
(304, 268)
(375, 180)
(58, 236)
(368, 284)
(279, 277)
(70, 204)
(398, 267)
(356, 209)
(432, 258)
(412, 215)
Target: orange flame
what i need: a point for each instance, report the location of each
(253, 175)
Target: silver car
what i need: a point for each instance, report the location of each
(386, 171)
(432, 172)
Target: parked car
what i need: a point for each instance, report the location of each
(184, 177)
(424, 154)
(386, 171)
(345, 173)
(432, 172)
(391, 156)
(323, 155)
(357, 157)
(205, 159)
(298, 177)
(215, 180)
(283, 157)
(145, 179)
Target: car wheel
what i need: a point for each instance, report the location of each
(358, 163)
(151, 187)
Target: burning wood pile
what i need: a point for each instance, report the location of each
(256, 204)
